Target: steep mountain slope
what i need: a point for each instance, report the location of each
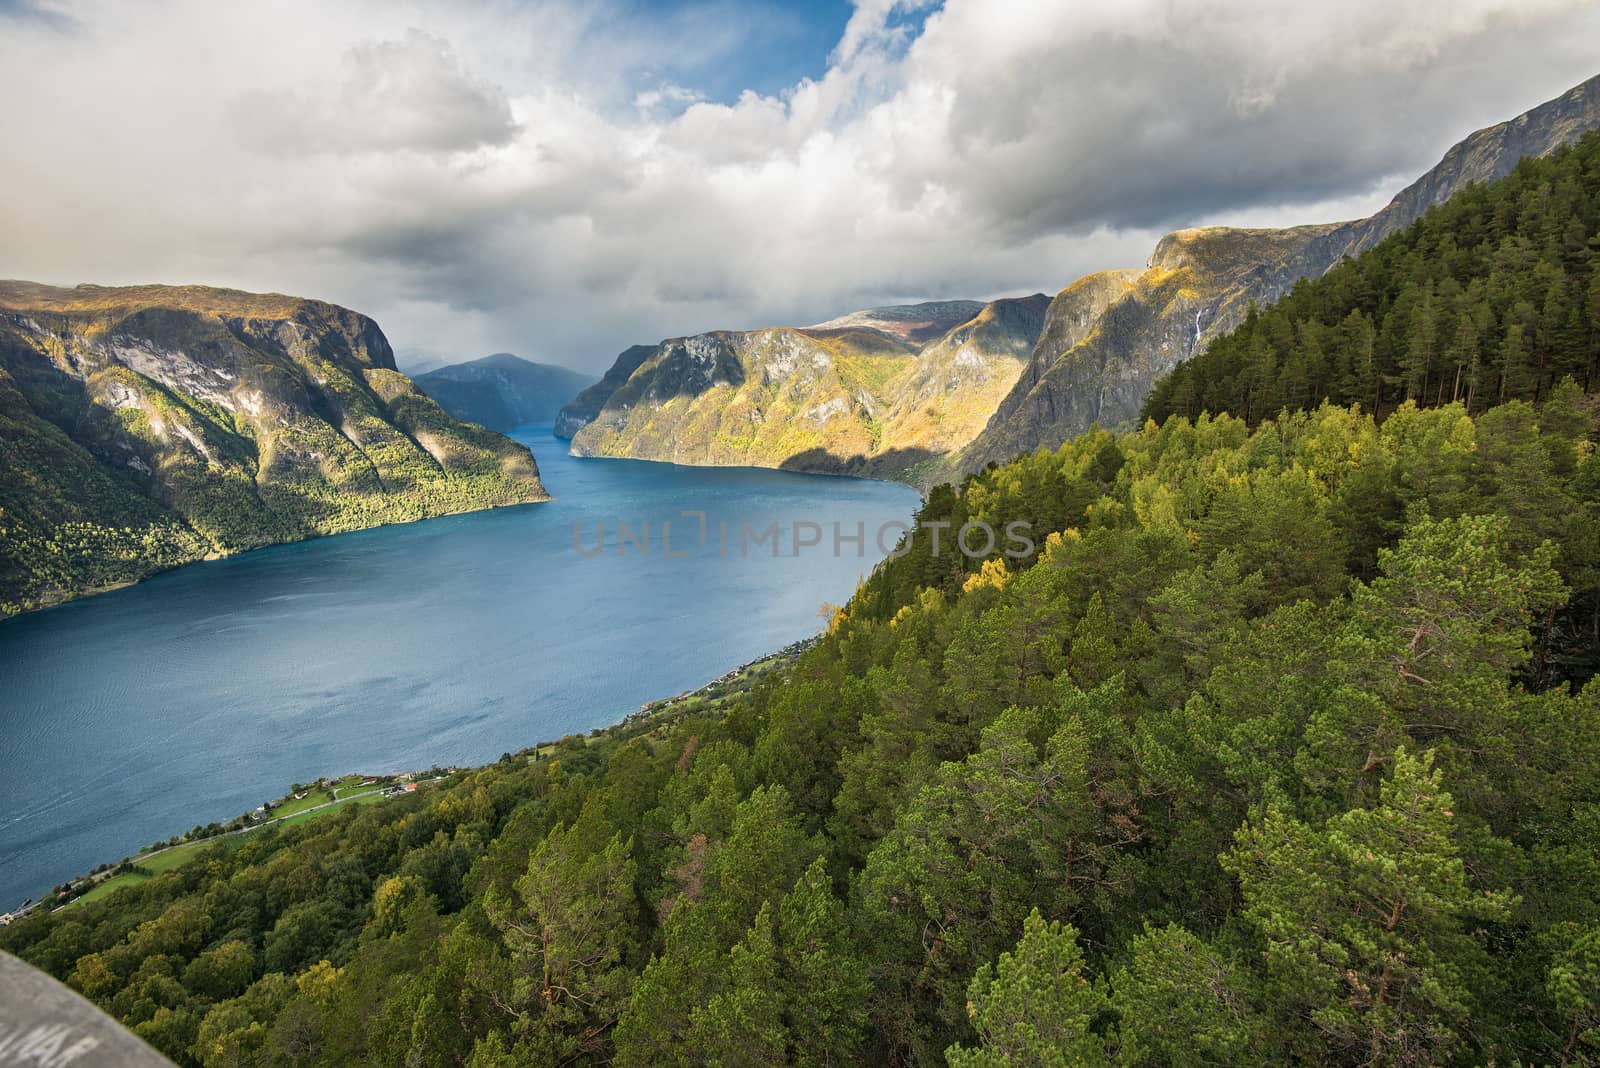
(886, 392)
(1200, 283)
(583, 408)
(960, 378)
(1119, 331)
(503, 391)
(1485, 156)
(1430, 315)
(145, 427)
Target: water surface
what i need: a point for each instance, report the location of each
(133, 715)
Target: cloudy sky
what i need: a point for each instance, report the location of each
(563, 178)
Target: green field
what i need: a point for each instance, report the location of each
(313, 798)
(365, 798)
(179, 855)
(159, 864)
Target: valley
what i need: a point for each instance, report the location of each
(1262, 727)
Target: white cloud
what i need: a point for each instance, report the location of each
(545, 177)
(408, 94)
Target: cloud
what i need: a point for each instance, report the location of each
(406, 94)
(550, 177)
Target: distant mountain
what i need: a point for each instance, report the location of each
(885, 391)
(914, 323)
(150, 426)
(959, 379)
(586, 405)
(503, 391)
(1199, 284)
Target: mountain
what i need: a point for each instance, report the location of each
(885, 392)
(144, 427)
(583, 408)
(1113, 334)
(911, 323)
(1492, 296)
(753, 398)
(1485, 156)
(961, 376)
(1199, 284)
(503, 391)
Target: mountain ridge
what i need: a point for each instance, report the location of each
(1091, 382)
(144, 427)
(1104, 341)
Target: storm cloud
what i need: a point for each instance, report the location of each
(550, 179)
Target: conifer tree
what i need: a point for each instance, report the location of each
(1035, 1008)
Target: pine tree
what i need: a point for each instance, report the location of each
(742, 1026)
(568, 935)
(1368, 924)
(1035, 1009)
(824, 983)
(1574, 987)
(1422, 338)
(1183, 1002)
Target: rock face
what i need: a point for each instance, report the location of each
(150, 426)
(1111, 335)
(503, 391)
(1127, 329)
(887, 392)
(583, 408)
(960, 377)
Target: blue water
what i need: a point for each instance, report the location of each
(134, 715)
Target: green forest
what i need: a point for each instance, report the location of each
(1283, 747)
(1492, 296)
(1281, 750)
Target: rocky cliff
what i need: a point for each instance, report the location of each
(960, 377)
(886, 392)
(1200, 283)
(503, 391)
(1111, 335)
(150, 426)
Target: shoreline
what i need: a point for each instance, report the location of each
(380, 787)
(214, 558)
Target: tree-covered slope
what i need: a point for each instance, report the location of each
(145, 427)
(1278, 748)
(1103, 374)
(503, 391)
(1492, 296)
